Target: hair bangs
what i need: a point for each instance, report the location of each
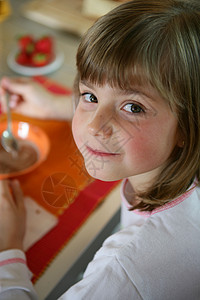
(125, 57)
(117, 68)
(116, 54)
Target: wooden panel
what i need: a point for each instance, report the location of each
(72, 15)
(97, 8)
(61, 14)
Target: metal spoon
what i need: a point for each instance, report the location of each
(8, 141)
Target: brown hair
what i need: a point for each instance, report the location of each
(156, 42)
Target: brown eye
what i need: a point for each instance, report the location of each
(136, 108)
(133, 108)
(88, 97)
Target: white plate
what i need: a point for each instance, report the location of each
(34, 71)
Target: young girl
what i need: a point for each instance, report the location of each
(138, 86)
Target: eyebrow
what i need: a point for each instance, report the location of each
(87, 83)
(124, 92)
(138, 91)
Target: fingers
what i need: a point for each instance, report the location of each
(10, 191)
(5, 190)
(12, 215)
(15, 100)
(17, 193)
(18, 89)
(15, 85)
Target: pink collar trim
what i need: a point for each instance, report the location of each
(159, 209)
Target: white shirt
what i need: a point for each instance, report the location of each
(156, 256)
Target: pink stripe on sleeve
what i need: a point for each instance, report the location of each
(12, 261)
(166, 206)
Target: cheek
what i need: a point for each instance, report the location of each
(151, 146)
(138, 148)
(76, 128)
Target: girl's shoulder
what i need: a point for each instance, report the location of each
(168, 225)
(166, 243)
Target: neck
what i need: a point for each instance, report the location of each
(142, 182)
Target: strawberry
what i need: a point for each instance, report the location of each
(26, 43)
(44, 44)
(22, 58)
(40, 59)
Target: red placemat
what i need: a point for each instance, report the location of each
(40, 255)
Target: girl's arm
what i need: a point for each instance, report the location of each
(14, 274)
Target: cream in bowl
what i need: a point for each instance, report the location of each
(33, 149)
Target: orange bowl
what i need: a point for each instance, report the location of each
(30, 133)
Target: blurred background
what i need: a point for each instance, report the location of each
(65, 20)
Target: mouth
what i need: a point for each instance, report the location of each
(101, 153)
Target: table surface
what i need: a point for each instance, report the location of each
(51, 284)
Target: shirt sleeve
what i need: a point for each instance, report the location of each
(15, 276)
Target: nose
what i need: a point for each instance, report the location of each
(100, 126)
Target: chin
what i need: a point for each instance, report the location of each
(102, 176)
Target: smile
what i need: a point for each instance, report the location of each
(100, 153)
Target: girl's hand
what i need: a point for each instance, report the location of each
(12, 215)
(27, 97)
(31, 99)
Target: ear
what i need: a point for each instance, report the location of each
(181, 144)
(180, 139)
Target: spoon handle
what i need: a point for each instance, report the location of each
(8, 112)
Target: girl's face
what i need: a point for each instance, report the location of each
(123, 133)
